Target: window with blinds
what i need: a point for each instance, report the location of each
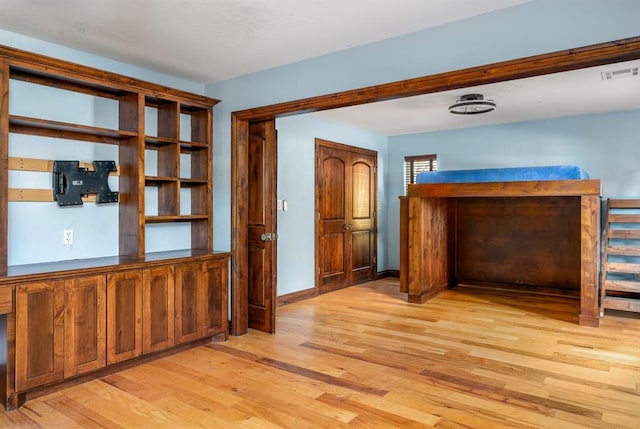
(417, 164)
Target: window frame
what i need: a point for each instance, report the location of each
(410, 172)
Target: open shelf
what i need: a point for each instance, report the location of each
(64, 130)
(40, 77)
(192, 182)
(177, 218)
(188, 146)
(156, 142)
(151, 180)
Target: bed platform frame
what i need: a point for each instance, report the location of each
(531, 235)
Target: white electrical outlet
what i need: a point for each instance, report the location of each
(67, 238)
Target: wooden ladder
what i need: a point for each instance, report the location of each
(620, 282)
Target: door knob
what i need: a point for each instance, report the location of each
(269, 236)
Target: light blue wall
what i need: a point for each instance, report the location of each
(296, 227)
(532, 28)
(605, 145)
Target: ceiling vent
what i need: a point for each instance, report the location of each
(619, 74)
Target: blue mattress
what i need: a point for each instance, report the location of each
(518, 174)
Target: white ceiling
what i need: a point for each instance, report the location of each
(577, 92)
(213, 40)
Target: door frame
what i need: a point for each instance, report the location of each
(318, 258)
(537, 65)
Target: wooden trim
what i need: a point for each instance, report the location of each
(388, 273)
(298, 296)
(47, 271)
(538, 65)
(346, 147)
(239, 226)
(429, 157)
(4, 166)
(542, 188)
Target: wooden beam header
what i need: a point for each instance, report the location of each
(538, 65)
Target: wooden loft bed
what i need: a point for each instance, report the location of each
(539, 235)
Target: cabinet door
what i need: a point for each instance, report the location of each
(39, 334)
(85, 324)
(158, 312)
(214, 292)
(124, 316)
(188, 302)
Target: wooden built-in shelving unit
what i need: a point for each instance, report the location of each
(136, 302)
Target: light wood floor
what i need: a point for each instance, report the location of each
(363, 357)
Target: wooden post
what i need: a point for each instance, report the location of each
(589, 249)
(426, 264)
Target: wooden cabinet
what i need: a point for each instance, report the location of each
(39, 321)
(157, 309)
(84, 325)
(60, 329)
(73, 325)
(214, 296)
(124, 316)
(189, 302)
(201, 300)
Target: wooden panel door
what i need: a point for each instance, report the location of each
(158, 312)
(124, 316)
(215, 279)
(362, 217)
(262, 226)
(188, 302)
(39, 334)
(85, 324)
(346, 196)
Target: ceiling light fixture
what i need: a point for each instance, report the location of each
(472, 104)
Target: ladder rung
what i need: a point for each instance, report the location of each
(624, 233)
(621, 267)
(625, 304)
(623, 218)
(623, 250)
(624, 204)
(622, 286)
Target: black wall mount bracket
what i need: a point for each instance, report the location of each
(71, 182)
